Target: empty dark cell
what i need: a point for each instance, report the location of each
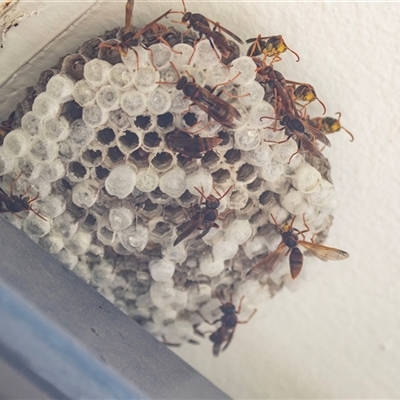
(245, 171)
(255, 185)
(44, 78)
(190, 119)
(221, 176)
(90, 48)
(255, 217)
(165, 120)
(225, 137)
(119, 118)
(189, 37)
(75, 67)
(140, 158)
(112, 34)
(151, 139)
(158, 194)
(77, 169)
(162, 160)
(72, 110)
(105, 136)
(248, 205)
(102, 172)
(175, 214)
(142, 121)
(26, 104)
(173, 36)
(90, 221)
(115, 154)
(234, 52)
(235, 196)
(93, 258)
(210, 158)
(265, 197)
(78, 212)
(188, 197)
(232, 156)
(66, 184)
(92, 156)
(161, 229)
(129, 139)
(184, 161)
(148, 206)
(110, 54)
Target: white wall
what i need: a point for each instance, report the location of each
(338, 335)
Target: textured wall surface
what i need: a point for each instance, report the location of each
(337, 335)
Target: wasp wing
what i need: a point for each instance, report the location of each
(207, 229)
(267, 264)
(316, 133)
(229, 339)
(189, 229)
(216, 349)
(217, 108)
(217, 338)
(227, 31)
(306, 144)
(3, 195)
(322, 252)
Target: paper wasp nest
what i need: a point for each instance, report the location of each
(90, 139)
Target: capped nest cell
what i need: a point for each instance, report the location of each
(157, 190)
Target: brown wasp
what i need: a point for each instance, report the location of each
(218, 109)
(6, 126)
(287, 114)
(273, 80)
(305, 92)
(189, 145)
(329, 125)
(289, 245)
(15, 204)
(204, 218)
(272, 47)
(228, 321)
(295, 128)
(130, 39)
(201, 24)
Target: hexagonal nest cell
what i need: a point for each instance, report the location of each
(164, 223)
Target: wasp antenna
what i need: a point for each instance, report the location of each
(36, 213)
(191, 76)
(342, 127)
(349, 133)
(219, 298)
(305, 223)
(230, 187)
(291, 224)
(292, 51)
(276, 223)
(34, 199)
(201, 192)
(322, 104)
(240, 304)
(13, 182)
(175, 69)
